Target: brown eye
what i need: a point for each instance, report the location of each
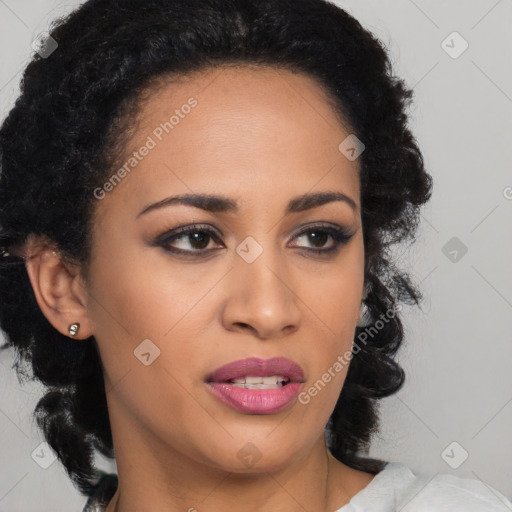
(193, 240)
(318, 237)
(197, 239)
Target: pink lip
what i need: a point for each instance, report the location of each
(257, 401)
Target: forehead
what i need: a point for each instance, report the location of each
(245, 82)
(229, 126)
(238, 97)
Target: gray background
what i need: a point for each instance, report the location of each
(458, 349)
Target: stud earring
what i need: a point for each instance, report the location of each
(73, 329)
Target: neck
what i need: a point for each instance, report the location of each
(315, 482)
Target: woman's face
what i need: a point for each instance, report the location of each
(168, 309)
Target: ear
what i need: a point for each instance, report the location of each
(58, 287)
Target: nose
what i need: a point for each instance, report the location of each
(261, 299)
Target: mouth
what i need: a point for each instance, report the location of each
(277, 371)
(257, 386)
(252, 382)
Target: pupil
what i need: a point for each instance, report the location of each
(198, 238)
(314, 235)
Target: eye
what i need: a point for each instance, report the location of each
(197, 240)
(319, 237)
(190, 240)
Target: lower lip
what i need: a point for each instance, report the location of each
(256, 401)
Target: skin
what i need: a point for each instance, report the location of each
(260, 136)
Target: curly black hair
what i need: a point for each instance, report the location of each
(57, 145)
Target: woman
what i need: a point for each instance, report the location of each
(198, 198)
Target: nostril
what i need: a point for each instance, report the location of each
(241, 324)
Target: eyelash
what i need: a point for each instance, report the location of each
(339, 235)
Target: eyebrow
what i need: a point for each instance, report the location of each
(217, 204)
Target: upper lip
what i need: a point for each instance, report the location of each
(256, 367)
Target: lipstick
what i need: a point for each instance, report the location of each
(257, 386)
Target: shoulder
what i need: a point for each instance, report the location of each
(451, 493)
(398, 488)
(102, 493)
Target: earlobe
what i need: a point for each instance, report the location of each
(56, 285)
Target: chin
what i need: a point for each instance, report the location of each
(263, 455)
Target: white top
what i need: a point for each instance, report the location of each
(396, 488)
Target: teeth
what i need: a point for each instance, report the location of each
(249, 382)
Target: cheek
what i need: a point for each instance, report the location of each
(135, 302)
(335, 299)
(136, 298)
(334, 295)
